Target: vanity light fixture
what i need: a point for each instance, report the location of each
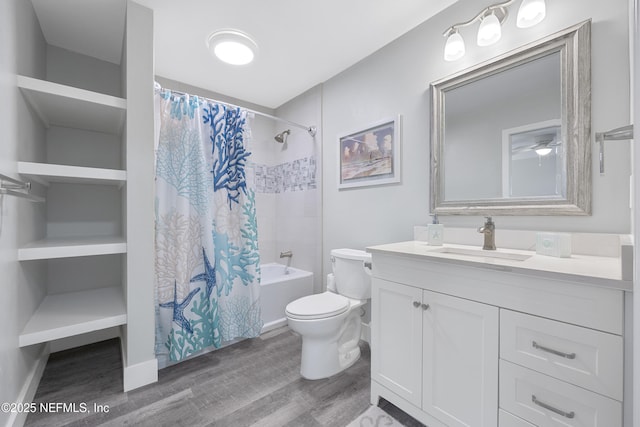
(531, 12)
(454, 48)
(232, 46)
(491, 18)
(490, 30)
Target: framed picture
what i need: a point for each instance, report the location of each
(370, 156)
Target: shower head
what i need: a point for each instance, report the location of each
(282, 137)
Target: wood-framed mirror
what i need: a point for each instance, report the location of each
(511, 136)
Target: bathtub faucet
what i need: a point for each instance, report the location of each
(288, 255)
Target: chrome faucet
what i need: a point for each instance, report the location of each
(489, 231)
(288, 255)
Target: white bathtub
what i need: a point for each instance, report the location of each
(278, 289)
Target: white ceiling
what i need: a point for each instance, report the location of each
(301, 43)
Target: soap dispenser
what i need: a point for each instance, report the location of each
(435, 232)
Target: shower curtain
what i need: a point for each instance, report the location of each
(206, 236)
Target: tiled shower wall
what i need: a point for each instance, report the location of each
(296, 175)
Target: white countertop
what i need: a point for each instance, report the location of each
(586, 269)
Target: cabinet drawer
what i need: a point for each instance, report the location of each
(581, 356)
(505, 419)
(546, 401)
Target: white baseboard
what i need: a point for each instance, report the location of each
(140, 374)
(365, 335)
(28, 392)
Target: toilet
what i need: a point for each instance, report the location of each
(330, 323)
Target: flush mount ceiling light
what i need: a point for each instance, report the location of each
(530, 13)
(232, 46)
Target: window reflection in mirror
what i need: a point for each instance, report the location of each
(533, 161)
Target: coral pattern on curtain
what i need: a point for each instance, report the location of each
(207, 260)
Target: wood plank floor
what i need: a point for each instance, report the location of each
(252, 383)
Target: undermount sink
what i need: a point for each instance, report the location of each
(481, 253)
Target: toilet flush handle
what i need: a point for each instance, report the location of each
(368, 266)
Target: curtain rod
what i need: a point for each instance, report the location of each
(310, 129)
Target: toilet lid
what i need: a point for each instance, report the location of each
(319, 306)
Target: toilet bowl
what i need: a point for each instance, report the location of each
(330, 323)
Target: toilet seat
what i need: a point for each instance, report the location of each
(318, 306)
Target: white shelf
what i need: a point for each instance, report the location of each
(46, 173)
(50, 248)
(72, 107)
(74, 313)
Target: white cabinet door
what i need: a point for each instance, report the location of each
(460, 371)
(396, 338)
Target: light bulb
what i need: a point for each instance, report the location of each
(454, 48)
(531, 12)
(490, 30)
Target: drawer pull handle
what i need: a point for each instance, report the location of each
(416, 304)
(552, 409)
(425, 306)
(552, 351)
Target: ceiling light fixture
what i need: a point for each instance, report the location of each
(232, 46)
(530, 13)
(543, 151)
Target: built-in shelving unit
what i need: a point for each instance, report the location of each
(67, 106)
(85, 149)
(73, 313)
(87, 309)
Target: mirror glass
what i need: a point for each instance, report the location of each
(508, 137)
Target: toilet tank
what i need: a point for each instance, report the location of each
(353, 279)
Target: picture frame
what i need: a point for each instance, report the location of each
(371, 155)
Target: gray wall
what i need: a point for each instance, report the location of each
(395, 80)
(22, 50)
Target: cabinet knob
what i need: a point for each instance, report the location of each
(416, 304)
(425, 306)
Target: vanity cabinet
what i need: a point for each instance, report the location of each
(428, 343)
(458, 344)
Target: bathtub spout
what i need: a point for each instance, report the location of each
(288, 255)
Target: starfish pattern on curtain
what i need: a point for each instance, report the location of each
(207, 258)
